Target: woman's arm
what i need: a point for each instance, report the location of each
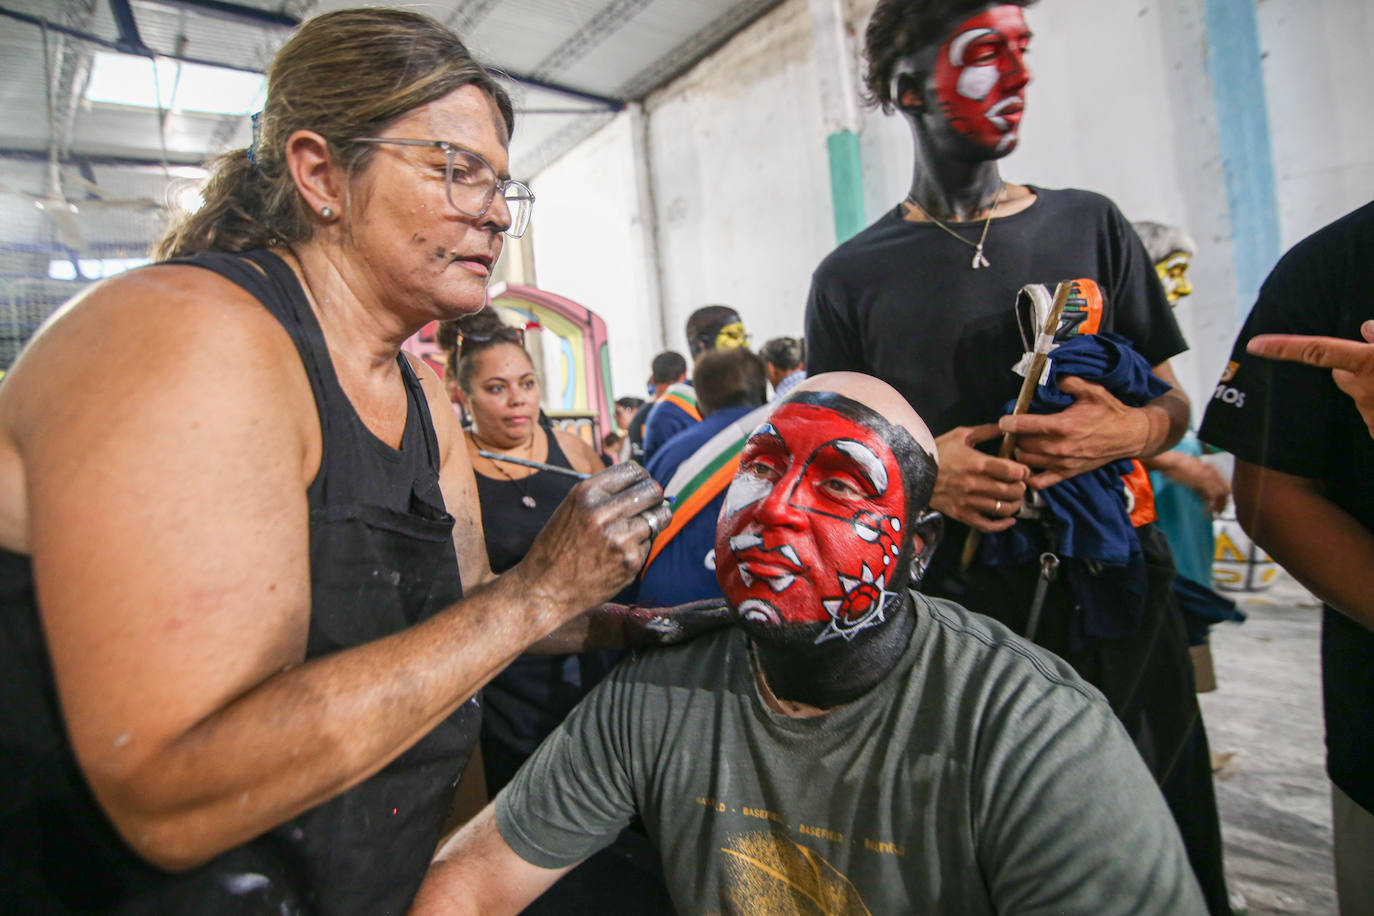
(168, 434)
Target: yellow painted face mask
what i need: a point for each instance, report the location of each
(732, 336)
(1173, 273)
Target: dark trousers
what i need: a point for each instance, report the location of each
(1147, 677)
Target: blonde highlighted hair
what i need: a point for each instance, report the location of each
(343, 74)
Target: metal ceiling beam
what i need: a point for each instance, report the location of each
(605, 23)
(699, 46)
(608, 102)
(130, 42)
(236, 11)
(468, 15)
(77, 159)
(604, 101)
(40, 22)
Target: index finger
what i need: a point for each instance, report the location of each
(619, 477)
(1030, 424)
(627, 488)
(1326, 352)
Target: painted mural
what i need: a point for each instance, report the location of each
(568, 343)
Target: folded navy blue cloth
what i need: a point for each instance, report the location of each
(1089, 513)
(1203, 607)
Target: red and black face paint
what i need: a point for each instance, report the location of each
(816, 530)
(981, 76)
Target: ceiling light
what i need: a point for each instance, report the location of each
(126, 79)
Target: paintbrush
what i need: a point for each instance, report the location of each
(541, 466)
(537, 465)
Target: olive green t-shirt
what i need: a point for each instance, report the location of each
(981, 776)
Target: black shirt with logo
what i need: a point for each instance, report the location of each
(1292, 418)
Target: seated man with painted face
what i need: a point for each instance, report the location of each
(851, 746)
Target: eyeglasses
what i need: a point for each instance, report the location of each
(471, 183)
(506, 334)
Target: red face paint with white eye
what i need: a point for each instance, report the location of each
(811, 529)
(981, 76)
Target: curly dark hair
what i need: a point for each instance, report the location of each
(899, 28)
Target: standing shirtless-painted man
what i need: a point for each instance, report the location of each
(923, 299)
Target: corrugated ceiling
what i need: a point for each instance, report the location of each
(601, 51)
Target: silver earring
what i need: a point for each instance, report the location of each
(326, 213)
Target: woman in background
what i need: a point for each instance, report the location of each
(528, 700)
(496, 375)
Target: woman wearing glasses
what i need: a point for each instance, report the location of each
(246, 600)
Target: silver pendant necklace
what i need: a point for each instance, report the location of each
(979, 259)
(526, 499)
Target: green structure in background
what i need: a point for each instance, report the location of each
(846, 183)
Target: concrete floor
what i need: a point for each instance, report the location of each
(1273, 795)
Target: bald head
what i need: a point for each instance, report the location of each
(879, 397)
(825, 525)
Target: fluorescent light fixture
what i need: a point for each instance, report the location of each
(126, 79)
(93, 268)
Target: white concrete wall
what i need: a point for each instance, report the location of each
(1121, 103)
(591, 244)
(1318, 74)
(742, 180)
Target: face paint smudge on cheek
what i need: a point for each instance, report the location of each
(757, 611)
(745, 490)
(440, 253)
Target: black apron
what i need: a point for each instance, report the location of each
(381, 560)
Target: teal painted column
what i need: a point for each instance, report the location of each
(1237, 74)
(846, 183)
(839, 100)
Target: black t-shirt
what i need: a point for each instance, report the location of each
(899, 301)
(1292, 418)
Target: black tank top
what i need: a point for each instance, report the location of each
(381, 559)
(527, 700)
(510, 528)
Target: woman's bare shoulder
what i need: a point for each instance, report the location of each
(580, 455)
(133, 326)
(166, 340)
(446, 427)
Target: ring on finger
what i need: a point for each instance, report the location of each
(651, 520)
(997, 508)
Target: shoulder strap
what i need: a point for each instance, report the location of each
(705, 475)
(419, 404)
(702, 490)
(685, 399)
(556, 454)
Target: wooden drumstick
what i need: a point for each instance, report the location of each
(1040, 355)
